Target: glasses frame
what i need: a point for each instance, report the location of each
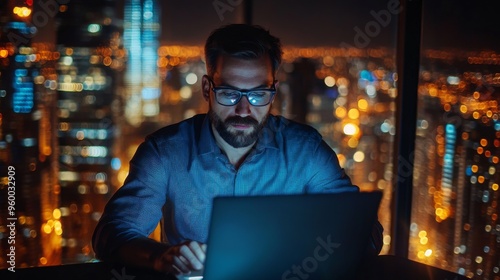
(243, 92)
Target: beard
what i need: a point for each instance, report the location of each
(237, 138)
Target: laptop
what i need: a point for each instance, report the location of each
(313, 236)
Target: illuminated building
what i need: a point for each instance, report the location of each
(455, 217)
(142, 82)
(181, 69)
(26, 142)
(349, 100)
(91, 60)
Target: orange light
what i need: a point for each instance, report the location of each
(483, 142)
(47, 229)
(474, 168)
(465, 135)
(22, 11)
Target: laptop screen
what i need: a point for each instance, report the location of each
(314, 236)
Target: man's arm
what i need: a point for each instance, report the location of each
(135, 209)
(122, 233)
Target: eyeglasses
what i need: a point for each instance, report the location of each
(229, 96)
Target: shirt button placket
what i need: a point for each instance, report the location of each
(239, 183)
(229, 179)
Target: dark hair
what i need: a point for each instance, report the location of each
(242, 41)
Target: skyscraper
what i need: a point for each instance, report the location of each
(142, 82)
(455, 214)
(25, 147)
(91, 59)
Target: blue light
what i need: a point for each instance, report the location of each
(116, 163)
(468, 171)
(366, 75)
(21, 72)
(150, 93)
(450, 130)
(449, 153)
(94, 28)
(22, 97)
(28, 142)
(22, 27)
(486, 196)
(332, 93)
(20, 58)
(453, 80)
(16, 25)
(22, 86)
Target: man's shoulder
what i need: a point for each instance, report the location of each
(291, 129)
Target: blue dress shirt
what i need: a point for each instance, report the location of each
(179, 169)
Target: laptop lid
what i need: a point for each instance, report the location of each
(314, 236)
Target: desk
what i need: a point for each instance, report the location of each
(392, 267)
(384, 267)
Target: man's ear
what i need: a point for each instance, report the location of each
(205, 87)
(276, 85)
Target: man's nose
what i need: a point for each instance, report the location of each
(243, 107)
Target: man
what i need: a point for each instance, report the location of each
(238, 149)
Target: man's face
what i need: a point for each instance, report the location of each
(239, 125)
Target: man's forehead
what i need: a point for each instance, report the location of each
(229, 68)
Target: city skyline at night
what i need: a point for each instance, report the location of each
(73, 112)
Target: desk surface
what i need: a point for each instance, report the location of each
(382, 267)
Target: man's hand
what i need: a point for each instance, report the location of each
(182, 258)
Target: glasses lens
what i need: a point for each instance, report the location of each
(230, 97)
(227, 96)
(259, 98)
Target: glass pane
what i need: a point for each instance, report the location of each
(454, 219)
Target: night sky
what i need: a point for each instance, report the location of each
(297, 23)
(447, 24)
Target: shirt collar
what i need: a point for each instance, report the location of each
(267, 137)
(206, 142)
